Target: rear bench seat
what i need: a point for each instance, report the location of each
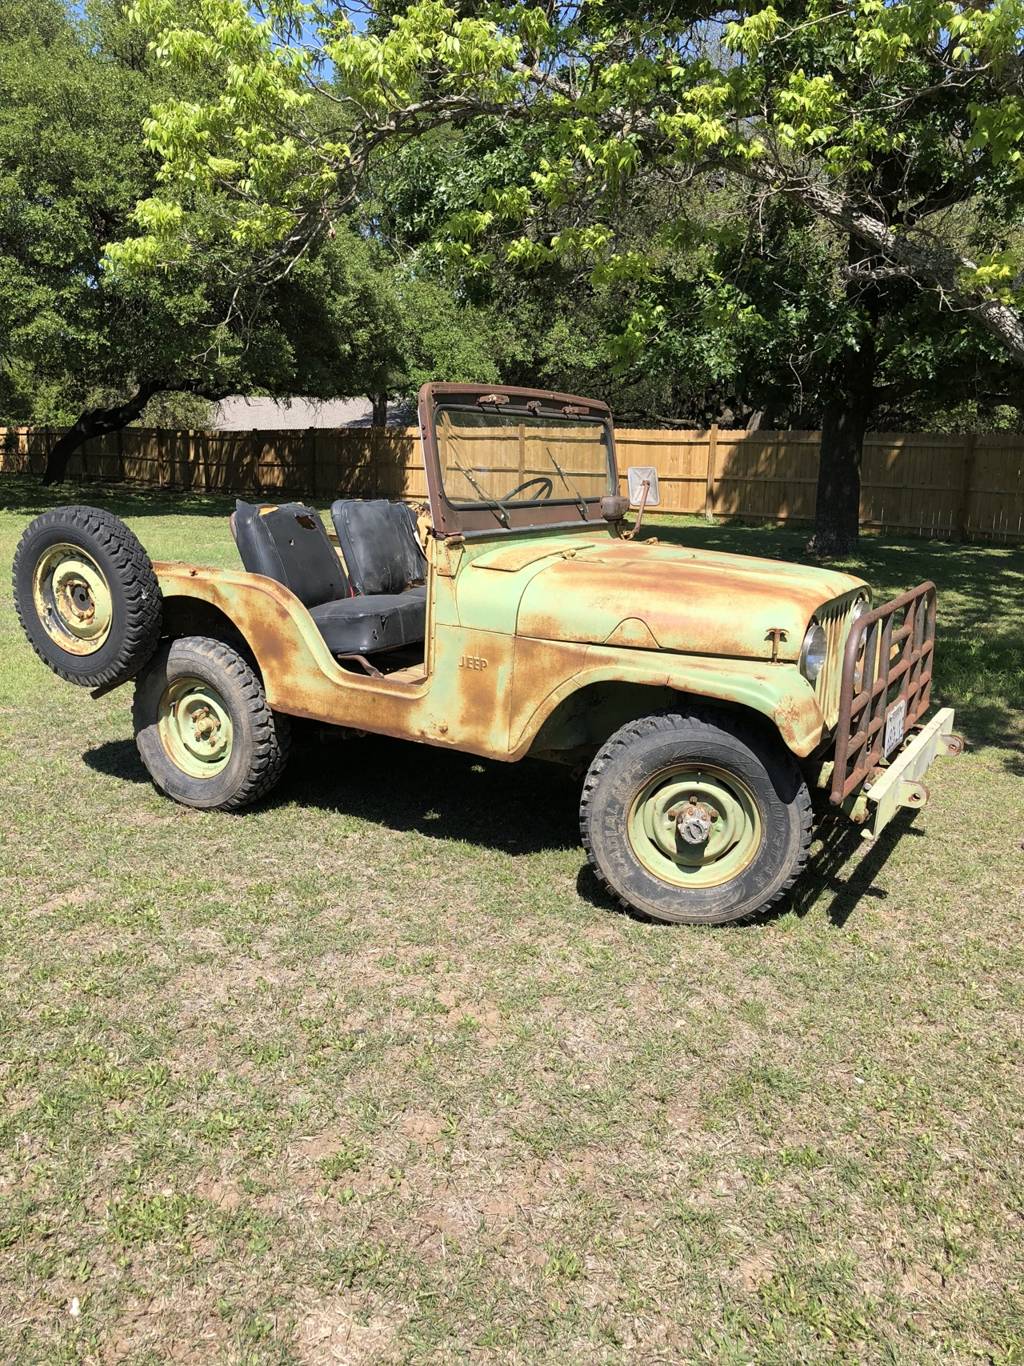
(379, 605)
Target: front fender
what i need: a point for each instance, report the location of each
(778, 692)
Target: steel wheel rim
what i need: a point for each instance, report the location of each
(72, 599)
(195, 727)
(688, 795)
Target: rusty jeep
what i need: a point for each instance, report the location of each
(705, 696)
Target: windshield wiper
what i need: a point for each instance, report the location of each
(580, 503)
(495, 504)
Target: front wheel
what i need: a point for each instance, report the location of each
(203, 726)
(695, 820)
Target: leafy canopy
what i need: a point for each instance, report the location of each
(876, 116)
(76, 336)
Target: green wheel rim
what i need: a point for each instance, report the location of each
(72, 599)
(195, 727)
(694, 825)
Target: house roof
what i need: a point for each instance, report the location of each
(238, 414)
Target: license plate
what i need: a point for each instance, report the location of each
(894, 723)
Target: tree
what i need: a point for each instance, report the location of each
(73, 351)
(879, 120)
(90, 350)
(358, 317)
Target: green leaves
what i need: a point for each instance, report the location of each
(431, 40)
(281, 119)
(752, 34)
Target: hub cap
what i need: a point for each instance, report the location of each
(195, 727)
(72, 599)
(694, 826)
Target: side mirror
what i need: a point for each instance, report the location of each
(643, 486)
(614, 507)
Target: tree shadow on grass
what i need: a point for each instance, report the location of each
(24, 496)
(524, 808)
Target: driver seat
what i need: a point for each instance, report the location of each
(381, 548)
(288, 543)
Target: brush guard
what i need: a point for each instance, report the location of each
(880, 749)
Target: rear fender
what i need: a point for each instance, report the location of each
(282, 636)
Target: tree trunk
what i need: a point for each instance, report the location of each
(380, 410)
(95, 422)
(837, 505)
(849, 405)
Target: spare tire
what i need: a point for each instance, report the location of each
(86, 596)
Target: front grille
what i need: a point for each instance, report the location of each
(834, 618)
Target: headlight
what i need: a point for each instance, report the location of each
(859, 608)
(813, 652)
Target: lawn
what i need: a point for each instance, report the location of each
(373, 1073)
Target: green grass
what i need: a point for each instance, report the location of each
(374, 1074)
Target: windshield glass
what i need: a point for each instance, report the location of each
(505, 459)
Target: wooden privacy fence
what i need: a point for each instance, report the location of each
(928, 484)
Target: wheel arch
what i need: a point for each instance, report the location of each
(194, 616)
(590, 706)
(275, 630)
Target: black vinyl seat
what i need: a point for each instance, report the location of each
(364, 625)
(379, 541)
(288, 543)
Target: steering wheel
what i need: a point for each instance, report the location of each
(545, 483)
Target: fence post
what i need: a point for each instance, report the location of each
(318, 465)
(966, 483)
(709, 489)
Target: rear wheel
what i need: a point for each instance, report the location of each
(695, 819)
(203, 726)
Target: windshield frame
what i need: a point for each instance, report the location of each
(459, 519)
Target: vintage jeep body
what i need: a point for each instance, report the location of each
(710, 694)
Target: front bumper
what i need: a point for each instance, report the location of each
(899, 783)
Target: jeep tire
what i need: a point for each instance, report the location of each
(695, 819)
(204, 728)
(86, 596)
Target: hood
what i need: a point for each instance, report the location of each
(652, 596)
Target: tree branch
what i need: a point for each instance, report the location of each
(96, 422)
(930, 263)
